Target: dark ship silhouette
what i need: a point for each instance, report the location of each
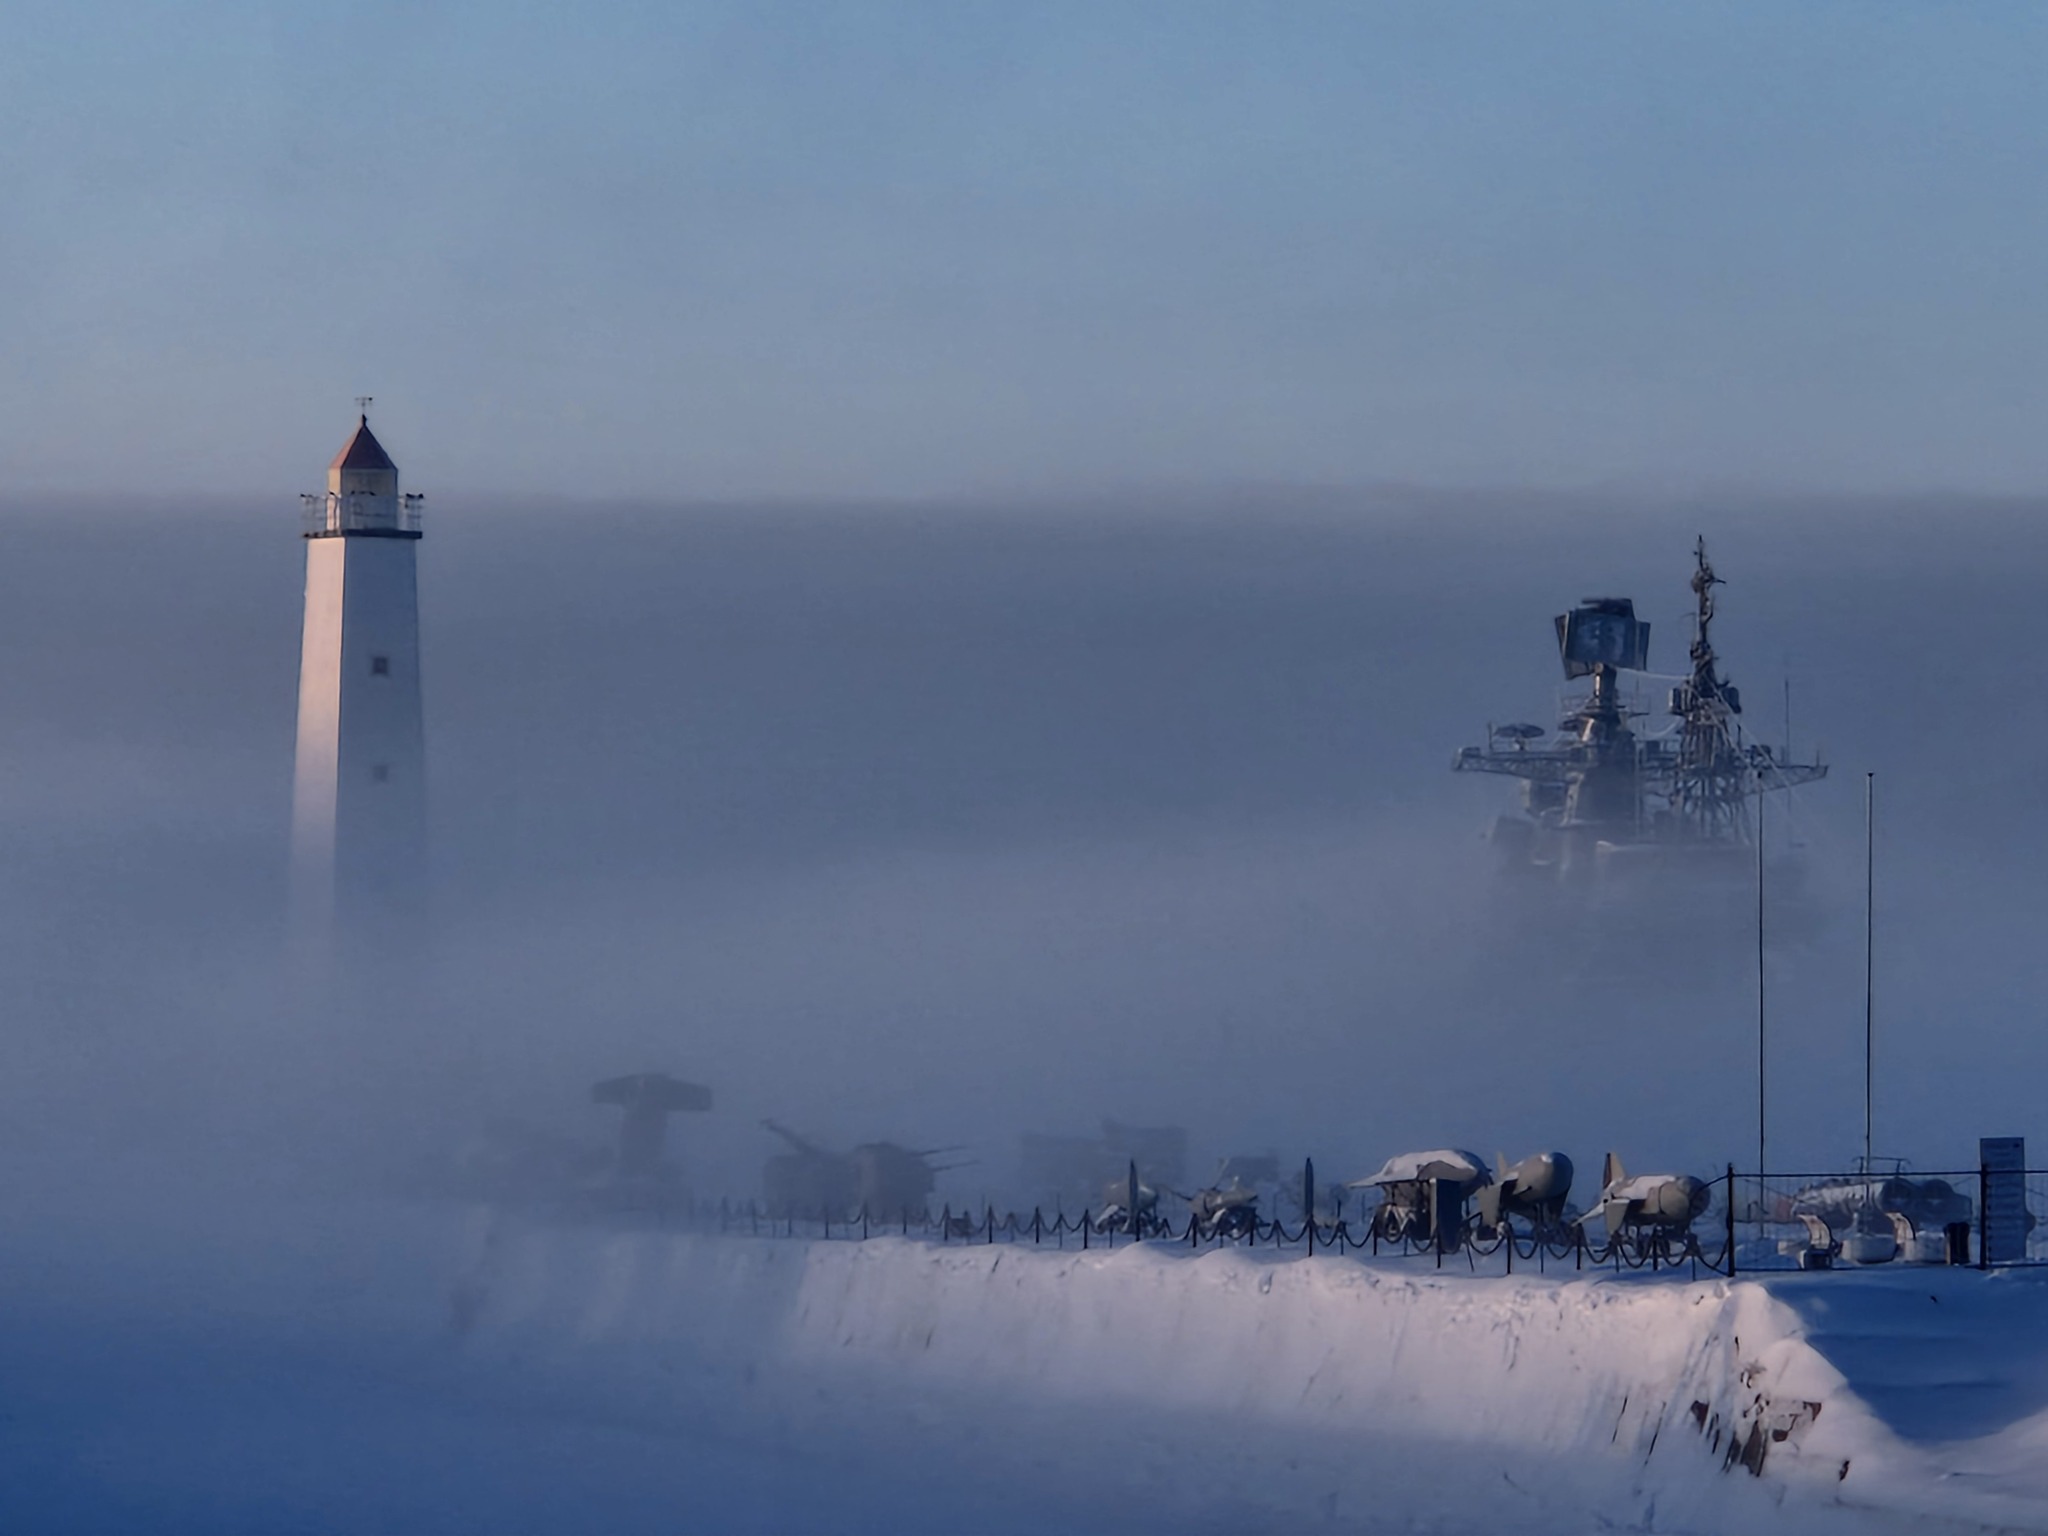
(1609, 805)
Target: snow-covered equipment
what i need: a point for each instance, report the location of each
(1666, 1203)
(1228, 1210)
(1413, 1185)
(1129, 1205)
(1535, 1189)
(1927, 1204)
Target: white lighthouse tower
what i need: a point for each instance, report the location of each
(359, 788)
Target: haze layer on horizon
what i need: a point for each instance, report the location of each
(949, 828)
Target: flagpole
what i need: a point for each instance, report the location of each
(1869, 948)
(1761, 1120)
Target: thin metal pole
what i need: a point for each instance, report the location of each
(1983, 1213)
(1869, 949)
(1731, 1221)
(1761, 1122)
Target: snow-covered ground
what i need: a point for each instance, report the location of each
(1236, 1391)
(517, 1376)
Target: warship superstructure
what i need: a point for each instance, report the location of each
(1606, 794)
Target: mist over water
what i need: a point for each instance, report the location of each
(942, 823)
(934, 823)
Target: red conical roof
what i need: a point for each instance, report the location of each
(363, 451)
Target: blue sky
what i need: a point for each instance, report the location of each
(705, 250)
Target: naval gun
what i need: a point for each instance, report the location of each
(880, 1177)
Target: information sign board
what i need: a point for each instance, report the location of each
(2004, 1239)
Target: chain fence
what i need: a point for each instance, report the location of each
(1737, 1224)
(1507, 1247)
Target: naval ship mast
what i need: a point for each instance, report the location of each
(1600, 793)
(1717, 771)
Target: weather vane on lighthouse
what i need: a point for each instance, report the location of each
(363, 406)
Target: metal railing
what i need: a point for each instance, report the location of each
(1980, 1216)
(331, 514)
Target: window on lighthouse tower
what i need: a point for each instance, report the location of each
(380, 666)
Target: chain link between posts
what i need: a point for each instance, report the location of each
(1563, 1246)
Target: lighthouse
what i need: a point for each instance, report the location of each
(359, 784)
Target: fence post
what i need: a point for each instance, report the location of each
(945, 1221)
(1731, 1221)
(1308, 1201)
(1037, 1225)
(863, 1221)
(991, 1223)
(1983, 1222)
(1085, 1224)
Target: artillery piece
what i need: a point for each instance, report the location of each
(880, 1177)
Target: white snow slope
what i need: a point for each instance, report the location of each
(1224, 1391)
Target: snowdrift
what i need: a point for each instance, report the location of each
(1226, 1391)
